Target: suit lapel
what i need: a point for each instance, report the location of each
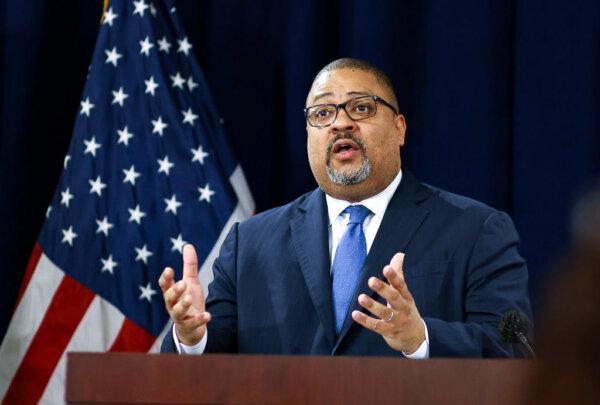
(310, 239)
(401, 220)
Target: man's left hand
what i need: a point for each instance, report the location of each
(399, 323)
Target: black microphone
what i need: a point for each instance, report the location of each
(513, 327)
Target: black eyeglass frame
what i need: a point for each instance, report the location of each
(377, 99)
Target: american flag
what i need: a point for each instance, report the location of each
(148, 169)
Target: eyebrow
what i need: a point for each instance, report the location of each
(350, 93)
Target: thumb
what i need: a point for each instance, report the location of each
(190, 262)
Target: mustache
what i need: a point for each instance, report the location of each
(347, 135)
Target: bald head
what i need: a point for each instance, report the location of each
(358, 64)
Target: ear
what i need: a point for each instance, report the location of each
(401, 128)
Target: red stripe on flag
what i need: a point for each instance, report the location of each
(31, 265)
(132, 338)
(68, 306)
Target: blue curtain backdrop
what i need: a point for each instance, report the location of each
(502, 100)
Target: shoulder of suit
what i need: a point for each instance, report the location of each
(459, 203)
(282, 212)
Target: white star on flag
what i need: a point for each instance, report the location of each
(178, 81)
(86, 107)
(140, 7)
(124, 136)
(112, 56)
(198, 155)
(147, 292)
(48, 210)
(96, 186)
(119, 96)
(184, 46)
(109, 17)
(191, 83)
(145, 46)
(165, 165)
(68, 236)
(130, 175)
(172, 204)
(189, 117)
(135, 215)
(91, 146)
(178, 244)
(66, 161)
(103, 226)
(108, 264)
(143, 254)
(151, 85)
(205, 193)
(159, 126)
(66, 197)
(164, 45)
(152, 10)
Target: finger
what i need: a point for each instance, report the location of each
(194, 322)
(396, 270)
(397, 281)
(205, 317)
(397, 262)
(376, 308)
(190, 262)
(182, 310)
(391, 295)
(165, 280)
(376, 325)
(173, 294)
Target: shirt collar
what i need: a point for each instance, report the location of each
(377, 203)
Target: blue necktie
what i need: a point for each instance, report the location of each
(347, 263)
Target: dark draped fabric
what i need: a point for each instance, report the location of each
(502, 100)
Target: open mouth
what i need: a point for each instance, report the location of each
(344, 149)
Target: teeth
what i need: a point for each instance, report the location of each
(342, 147)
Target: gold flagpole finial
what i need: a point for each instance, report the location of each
(104, 9)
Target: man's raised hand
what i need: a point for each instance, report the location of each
(184, 299)
(398, 322)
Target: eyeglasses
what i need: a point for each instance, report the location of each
(358, 108)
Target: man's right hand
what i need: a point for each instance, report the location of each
(184, 299)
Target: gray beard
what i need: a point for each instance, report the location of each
(345, 178)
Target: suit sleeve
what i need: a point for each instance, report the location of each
(168, 344)
(496, 281)
(222, 298)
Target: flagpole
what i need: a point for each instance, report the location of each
(104, 9)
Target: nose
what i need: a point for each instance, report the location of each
(343, 122)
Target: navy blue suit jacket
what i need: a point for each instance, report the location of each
(272, 287)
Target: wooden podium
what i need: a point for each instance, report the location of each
(126, 378)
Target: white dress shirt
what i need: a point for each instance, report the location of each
(338, 221)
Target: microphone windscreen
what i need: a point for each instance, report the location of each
(511, 324)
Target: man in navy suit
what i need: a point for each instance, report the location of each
(373, 262)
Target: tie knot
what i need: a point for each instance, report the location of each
(358, 213)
